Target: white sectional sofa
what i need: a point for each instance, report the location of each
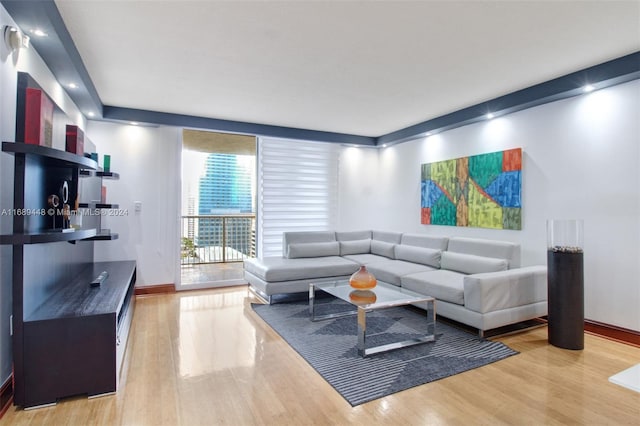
(476, 282)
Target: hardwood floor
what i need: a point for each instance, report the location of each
(204, 358)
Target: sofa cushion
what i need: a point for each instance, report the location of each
(424, 256)
(353, 235)
(298, 237)
(365, 259)
(277, 268)
(355, 247)
(471, 264)
(387, 237)
(428, 241)
(441, 284)
(382, 248)
(313, 249)
(390, 271)
(487, 248)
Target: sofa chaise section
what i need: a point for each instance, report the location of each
(307, 257)
(276, 275)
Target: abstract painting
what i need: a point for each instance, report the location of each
(482, 191)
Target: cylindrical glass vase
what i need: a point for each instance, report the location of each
(565, 269)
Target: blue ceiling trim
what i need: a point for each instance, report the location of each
(179, 120)
(613, 72)
(63, 59)
(57, 49)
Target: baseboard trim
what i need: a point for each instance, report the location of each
(6, 395)
(147, 290)
(606, 331)
(612, 332)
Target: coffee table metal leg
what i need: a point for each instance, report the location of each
(362, 331)
(429, 336)
(312, 297)
(431, 318)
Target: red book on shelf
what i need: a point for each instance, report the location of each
(38, 121)
(75, 140)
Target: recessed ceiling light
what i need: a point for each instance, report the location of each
(588, 88)
(490, 116)
(72, 86)
(384, 145)
(38, 32)
(134, 123)
(90, 114)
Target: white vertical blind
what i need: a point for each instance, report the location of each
(297, 190)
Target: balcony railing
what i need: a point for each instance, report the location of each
(217, 238)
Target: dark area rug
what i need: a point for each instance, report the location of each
(330, 347)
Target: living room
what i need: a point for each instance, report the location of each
(579, 161)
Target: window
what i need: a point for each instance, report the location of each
(297, 190)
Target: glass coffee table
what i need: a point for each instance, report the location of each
(382, 296)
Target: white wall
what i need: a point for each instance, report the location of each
(359, 189)
(581, 159)
(148, 161)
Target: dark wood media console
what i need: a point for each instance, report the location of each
(74, 343)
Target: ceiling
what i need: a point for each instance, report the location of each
(363, 68)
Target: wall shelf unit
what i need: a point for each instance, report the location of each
(104, 235)
(51, 156)
(99, 173)
(47, 237)
(93, 207)
(38, 171)
(104, 206)
(107, 175)
(69, 337)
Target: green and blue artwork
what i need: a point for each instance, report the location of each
(482, 191)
